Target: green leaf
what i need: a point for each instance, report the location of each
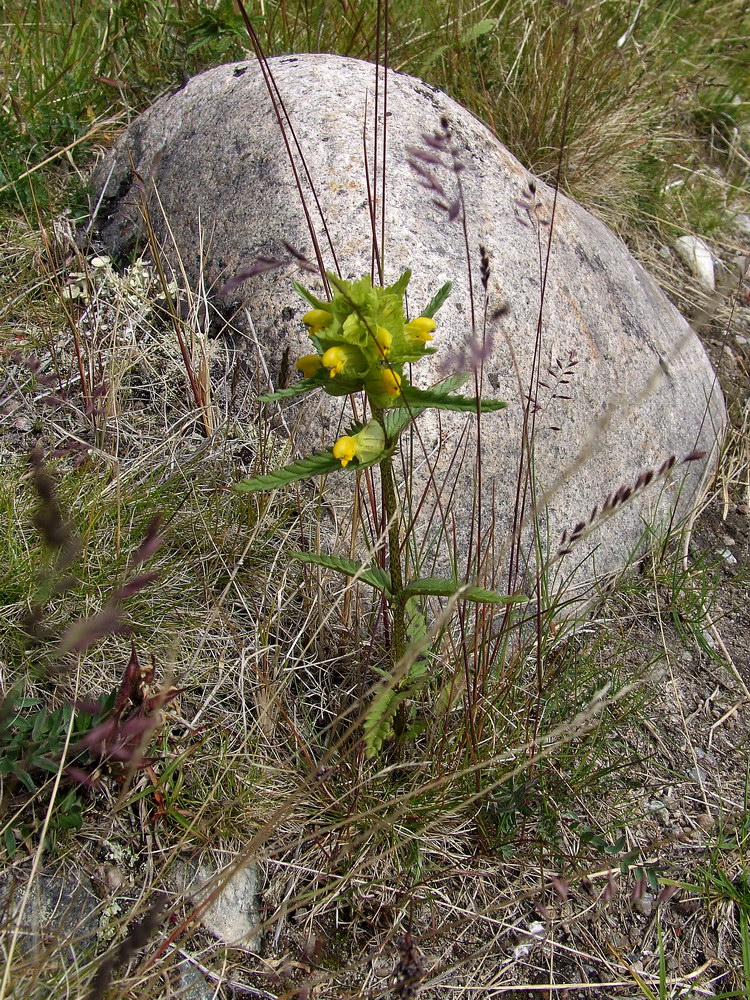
(40, 725)
(26, 703)
(334, 387)
(306, 385)
(316, 303)
(397, 418)
(417, 626)
(437, 300)
(9, 760)
(437, 587)
(399, 287)
(439, 401)
(26, 780)
(432, 56)
(373, 575)
(378, 722)
(44, 764)
(313, 465)
(418, 671)
(479, 29)
(10, 841)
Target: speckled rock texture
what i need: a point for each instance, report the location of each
(642, 388)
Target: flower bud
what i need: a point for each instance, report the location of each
(345, 450)
(317, 320)
(384, 339)
(309, 365)
(366, 445)
(420, 329)
(342, 359)
(391, 382)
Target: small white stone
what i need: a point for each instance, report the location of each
(233, 916)
(698, 258)
(534, 935)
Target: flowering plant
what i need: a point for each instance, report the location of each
(363, 341)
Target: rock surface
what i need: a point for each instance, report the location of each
(642, 388)
(61, 912)
(233, 915)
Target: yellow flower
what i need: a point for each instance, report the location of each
(309, 365)
(342, 358)
(391, 382)
(345, 450)
(384, 339)
(421, 328)
(366, 445)
(317, 320)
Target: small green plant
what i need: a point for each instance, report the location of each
(84, 739)
(363, 341)
(33, 737)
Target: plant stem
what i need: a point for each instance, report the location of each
(397, 603)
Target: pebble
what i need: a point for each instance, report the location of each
(728, 557)
(698, 258)
(659, 809)
(644, 904)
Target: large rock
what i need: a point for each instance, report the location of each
(641, 391)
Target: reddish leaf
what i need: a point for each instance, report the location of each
(159, 700)
(130, 685)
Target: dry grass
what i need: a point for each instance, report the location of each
(500, 852)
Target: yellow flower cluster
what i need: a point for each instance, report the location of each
(363, 341)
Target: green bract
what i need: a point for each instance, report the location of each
(362, 338)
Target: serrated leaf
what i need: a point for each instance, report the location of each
(378, 722)
(313, 465)
(440, 401)
(397, 418)
(438, 587)
(399, 287)
(437, 300)
(373, 575)
(314, 301)
(416, 627)
(298, 389)
(417, 672)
